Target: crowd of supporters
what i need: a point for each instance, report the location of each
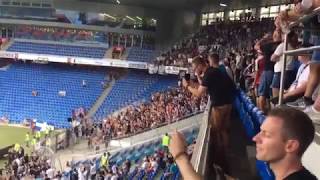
(58, 34)
(105, 168)
(228, 39)
(163, 108)
(261, 79)
(20, 165)
(252, 51)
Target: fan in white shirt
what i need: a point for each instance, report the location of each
(299, 86)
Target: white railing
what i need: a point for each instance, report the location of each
(296, 51)
(200, 151)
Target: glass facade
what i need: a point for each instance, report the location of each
(234, 15)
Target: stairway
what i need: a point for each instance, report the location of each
(100, 100)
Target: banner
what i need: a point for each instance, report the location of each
(44, 58)
(9, 55)
(174, 70)
(138, 65)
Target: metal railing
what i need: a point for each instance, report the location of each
(296, 51)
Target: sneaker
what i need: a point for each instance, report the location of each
(313, 114)
(300, 103)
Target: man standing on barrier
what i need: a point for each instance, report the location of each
(221, 90)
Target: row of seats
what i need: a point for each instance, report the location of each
(136, 86)
(136, 155)
(19, 80)
(59, 36)
(58, 49)
(251, 118)
(142, 55)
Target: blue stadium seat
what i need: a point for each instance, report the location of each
(135, 87)
(140, 54)
(58, 49)
(252, 118)
(19, 80)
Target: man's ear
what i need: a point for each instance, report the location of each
(292, 146)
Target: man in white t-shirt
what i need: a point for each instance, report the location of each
(154, 164)
(299, 86)
(277, 57)
(50, 173)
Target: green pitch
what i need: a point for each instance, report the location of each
(11, 135)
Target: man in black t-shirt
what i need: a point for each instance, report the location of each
(284, 136)
(221, 90)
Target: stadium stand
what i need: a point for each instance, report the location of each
(146, 161)
(140, 54)
(26, 92)
(19, 80)
(55, 49)
(135, 87)
(59, 34)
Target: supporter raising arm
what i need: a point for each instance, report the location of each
(178, 150)
(221, 90)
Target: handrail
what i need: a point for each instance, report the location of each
(301, 50)
(200, 150)
(296, 51)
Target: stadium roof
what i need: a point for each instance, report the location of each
(156, 4)
(178, 4)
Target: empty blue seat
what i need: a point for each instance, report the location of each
(58, 49)
(19, 80)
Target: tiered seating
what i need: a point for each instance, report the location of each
(252, 118)
(136, 86)
(142, 55)
(18, 82)
(55, 49)
(136, 155)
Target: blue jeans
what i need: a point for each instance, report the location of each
(265, 84)
(288, 79)
(316, 53)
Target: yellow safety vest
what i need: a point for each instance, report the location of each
(16, 147)
(103, 161)
(47, 131)
(165, 141)
(34, 141)
(38, 134)
(27, 139)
